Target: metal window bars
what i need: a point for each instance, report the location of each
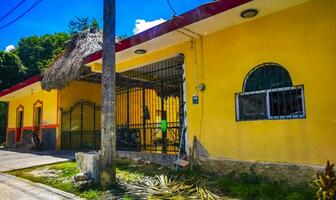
(277, 103)
(268, 93)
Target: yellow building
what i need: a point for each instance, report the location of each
(255, 81)
(31, 110)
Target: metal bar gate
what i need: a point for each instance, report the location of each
(149, 111)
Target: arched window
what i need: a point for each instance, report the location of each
(268, 93)
(267, 76)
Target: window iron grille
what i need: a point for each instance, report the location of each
(268, 93)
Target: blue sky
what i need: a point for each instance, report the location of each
(52, 16)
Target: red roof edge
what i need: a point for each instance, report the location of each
(190, 17)
(20, 85)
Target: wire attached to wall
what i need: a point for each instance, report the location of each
(191, 34)
(202, 73)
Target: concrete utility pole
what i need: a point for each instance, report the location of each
(108, 128)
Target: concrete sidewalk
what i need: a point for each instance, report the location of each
(12, 187)
(16, 158)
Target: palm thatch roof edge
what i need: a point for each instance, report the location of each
(69, 65)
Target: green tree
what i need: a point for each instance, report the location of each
(36, 52)
(12, 69)
(12, 72)
(82, 23)
(94, 23)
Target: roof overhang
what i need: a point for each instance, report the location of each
(24, 88)
(201, 21)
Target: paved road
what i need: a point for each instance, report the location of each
(14, 158)
(12, 187)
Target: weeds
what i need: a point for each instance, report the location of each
(326, 183)
(250, 186)
(142, 181)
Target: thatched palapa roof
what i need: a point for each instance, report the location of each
(69, 65)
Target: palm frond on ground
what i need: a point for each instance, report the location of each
(173, 187)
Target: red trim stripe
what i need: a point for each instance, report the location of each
(190, 17)
(21, 85)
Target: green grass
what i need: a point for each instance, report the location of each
(251, 186)
(126, 171)
(244, 186)
(129, 171)
(62, 181)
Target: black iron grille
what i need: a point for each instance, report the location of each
(145, 97)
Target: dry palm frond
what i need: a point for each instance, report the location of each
(69, 65)
(174, 187)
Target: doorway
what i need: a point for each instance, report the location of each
(19, 124)
(37, 118)
(150, 107)
(149, 111)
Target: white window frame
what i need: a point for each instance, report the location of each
(268, 107)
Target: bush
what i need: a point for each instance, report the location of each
(326, 183)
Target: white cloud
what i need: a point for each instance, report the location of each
(142, 25)
(9, 48)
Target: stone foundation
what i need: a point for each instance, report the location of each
(27, 138)
(10, 139)
(166, 160)
(291, 173)
(49, 138)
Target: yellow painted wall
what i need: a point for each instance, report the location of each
(78, 90)
(49, 111)
(302, 39)
(73, 93)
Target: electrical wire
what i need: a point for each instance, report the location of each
(191, 34)
(171, 7)
(23, 14)
(11, 11)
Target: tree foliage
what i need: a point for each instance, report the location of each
(12, 72)
(36, 52)
(33, 55)
(82, 23)
(11, 68)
